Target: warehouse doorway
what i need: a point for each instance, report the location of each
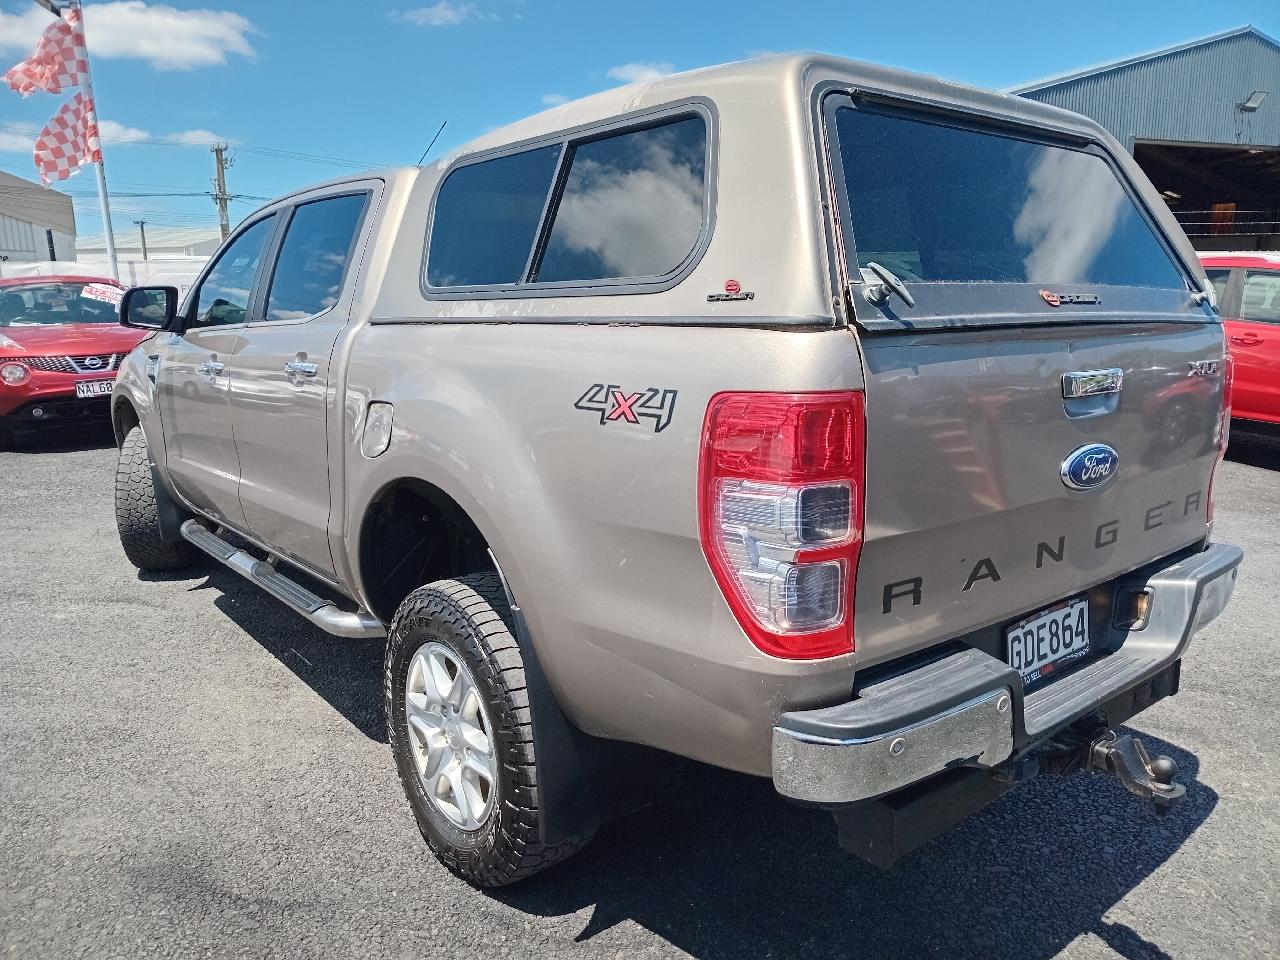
(1225, 197)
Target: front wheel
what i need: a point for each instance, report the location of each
(137, 516)
(459, 721)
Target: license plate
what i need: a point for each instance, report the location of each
(94, 388)
(1049, 640)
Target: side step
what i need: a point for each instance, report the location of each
(323, 613)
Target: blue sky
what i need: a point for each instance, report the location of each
(370, 81)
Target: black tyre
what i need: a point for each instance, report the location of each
(459, 722)
(136, 512)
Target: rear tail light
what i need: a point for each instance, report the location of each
(1224, 423)
(780, 510)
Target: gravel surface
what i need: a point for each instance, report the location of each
(189, 769)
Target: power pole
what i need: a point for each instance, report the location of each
(142, 231)
(220, 197)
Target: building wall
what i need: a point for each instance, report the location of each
(21, 240)
(27, 210)
(1187, 95)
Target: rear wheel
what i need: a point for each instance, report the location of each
(136, 515)
(460, 726)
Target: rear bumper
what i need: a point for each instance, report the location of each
(968, 709)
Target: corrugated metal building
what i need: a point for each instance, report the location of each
(1203, 120)
(162, 243)
(35, 223)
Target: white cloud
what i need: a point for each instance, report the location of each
(198, 138)
(554, 99)
(442, 14)
(166, 38)
(18, 137)
(640, 72)
(114, 132)
(119, 132)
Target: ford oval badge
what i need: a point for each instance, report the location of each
(1090, 467)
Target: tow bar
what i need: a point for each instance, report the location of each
(1126, 758)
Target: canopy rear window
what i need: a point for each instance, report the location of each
(937, 203)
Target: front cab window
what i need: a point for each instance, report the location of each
(222, 299)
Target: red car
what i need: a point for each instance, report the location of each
(60, 346)
(1248, 287)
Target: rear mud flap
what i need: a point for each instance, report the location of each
(584, 781)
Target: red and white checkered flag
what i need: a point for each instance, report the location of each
(59, 60)
(68, 141)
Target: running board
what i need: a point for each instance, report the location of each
(323, 613)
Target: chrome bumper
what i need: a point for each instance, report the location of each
(968, 709)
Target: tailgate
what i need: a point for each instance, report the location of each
(968, 519)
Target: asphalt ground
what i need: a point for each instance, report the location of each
(188, 769)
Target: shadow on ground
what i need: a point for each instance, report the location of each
(723, 868)
(1253, 449)
(62, 438)
(347, 674)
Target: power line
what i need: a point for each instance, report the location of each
(186, 142)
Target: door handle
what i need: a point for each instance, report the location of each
(301, 368)
(211, 368)
(1247, 341)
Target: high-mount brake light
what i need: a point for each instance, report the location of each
(780, 508)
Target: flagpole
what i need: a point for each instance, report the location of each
(86, 83)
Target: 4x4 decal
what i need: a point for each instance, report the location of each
(614, 404)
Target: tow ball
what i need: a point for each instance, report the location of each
(1126, 758)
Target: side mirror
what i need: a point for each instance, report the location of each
(149, 308)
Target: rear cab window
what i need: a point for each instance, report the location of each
(602, 212)
(314, 257)
(974, 218)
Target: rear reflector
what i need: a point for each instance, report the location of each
(780, 510)
(1224, 424)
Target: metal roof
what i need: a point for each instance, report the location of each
(158, 238)
(25, 200)
(1190, 93)
(1141, 57)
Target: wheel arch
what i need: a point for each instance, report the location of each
(124, 417)
(413, 532)
(583, 780)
